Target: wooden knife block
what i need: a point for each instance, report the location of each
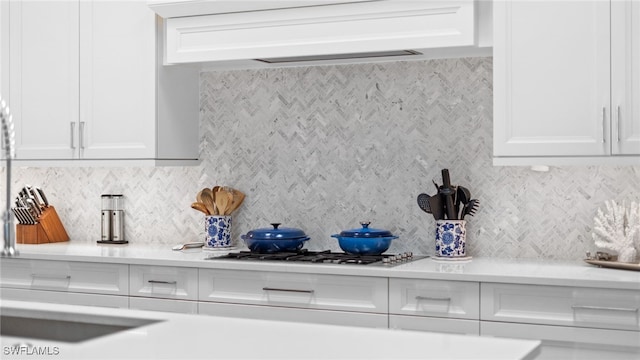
(48, 230)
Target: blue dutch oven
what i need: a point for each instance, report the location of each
(364, 241)
(275, 239)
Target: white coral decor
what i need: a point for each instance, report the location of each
(617, 229)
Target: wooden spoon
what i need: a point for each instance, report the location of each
(222, 201)
(200, 207)
(238, 198)
(208, 201)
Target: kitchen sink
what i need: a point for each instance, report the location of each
(62, 326)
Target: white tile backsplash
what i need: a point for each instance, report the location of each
(322, 148)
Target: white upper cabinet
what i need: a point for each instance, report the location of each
(562, 69)
(625, 72)
(44, 78)
(86, 85)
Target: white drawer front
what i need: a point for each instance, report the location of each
(451, 299)
(432, 324)
(72, 276)
(314, 291)
(564, 342)
(296, 315)
(64, 297)
(558, 305)
(164, 282)
(166, 305)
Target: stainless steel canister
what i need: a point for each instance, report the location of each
(117, 218)
(107, 206)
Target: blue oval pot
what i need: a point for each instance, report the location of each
(364, 246)
(274, 245)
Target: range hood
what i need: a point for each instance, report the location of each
(265, 33)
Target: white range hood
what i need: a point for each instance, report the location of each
(264, 33)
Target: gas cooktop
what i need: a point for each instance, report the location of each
(321, 257)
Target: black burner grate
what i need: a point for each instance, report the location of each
(307, 256)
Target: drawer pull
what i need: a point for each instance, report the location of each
(288, 290)
(432, 298)
(584, 307)
(163, 282)
(47, 276)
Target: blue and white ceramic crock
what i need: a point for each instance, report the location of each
(451, 238)
(218, 231)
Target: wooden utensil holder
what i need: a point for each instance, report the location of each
(48, 230)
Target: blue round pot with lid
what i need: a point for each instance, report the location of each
(275, 239)
(365, 240)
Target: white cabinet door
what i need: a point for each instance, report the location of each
(551, 78)
(625, 70)
(43, 76)
(117, 79)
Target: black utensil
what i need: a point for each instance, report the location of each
(435, 204)
(470, 208)
(463, 195)
(447, 194)
(423, 203)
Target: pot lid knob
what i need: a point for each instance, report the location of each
(365, 224)
(275, 225)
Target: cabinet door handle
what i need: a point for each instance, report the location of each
(81, 134)
(73, 135)
(618, 122)
(288, 290)
(48, 276)
(162, 282)
(604, 123)
(586, 307)
(432, 298)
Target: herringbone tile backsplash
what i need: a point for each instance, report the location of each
(322, 148)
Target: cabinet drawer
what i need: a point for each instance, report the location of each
(166, 305)
(450, 299)
(65, 297)
(555, 305)
(165, 282)
(295, 315)
(433, 324)
(313, 291)
(565, 342)
(71, 276)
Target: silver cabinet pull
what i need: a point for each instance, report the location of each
(586, 307)
(73, 135)
(604, 123)
(49, 276)
(432, 298)
(288, 290)
(618, 121)
(81, 134)
(162, 282)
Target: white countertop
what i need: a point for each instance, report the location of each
(179, 336)
(540, 272)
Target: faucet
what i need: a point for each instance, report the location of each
(8, 137)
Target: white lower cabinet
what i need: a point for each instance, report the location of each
(163, 288)
(572, 322)
(331, 299)
(434, 305)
